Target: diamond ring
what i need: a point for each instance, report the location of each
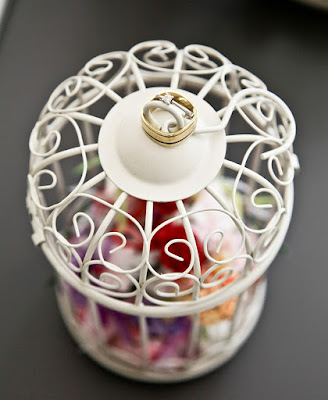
(157, 119)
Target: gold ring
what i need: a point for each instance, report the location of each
(182, 110)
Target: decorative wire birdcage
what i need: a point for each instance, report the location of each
(160, 252)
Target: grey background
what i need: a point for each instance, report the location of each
(283, 43)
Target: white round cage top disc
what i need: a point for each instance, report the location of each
(149, 171)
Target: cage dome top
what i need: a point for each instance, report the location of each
(161, 177)
(145, 168)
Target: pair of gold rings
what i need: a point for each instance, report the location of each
(170, 131)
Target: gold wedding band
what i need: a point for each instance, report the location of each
(186, 109)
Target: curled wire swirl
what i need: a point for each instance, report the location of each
(269, 190)
(161, 56)
(34, 179)
(111, 283)
(156, 55)
(166, 285)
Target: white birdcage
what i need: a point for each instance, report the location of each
(159, 223)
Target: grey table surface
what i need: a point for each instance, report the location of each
(286, 45)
